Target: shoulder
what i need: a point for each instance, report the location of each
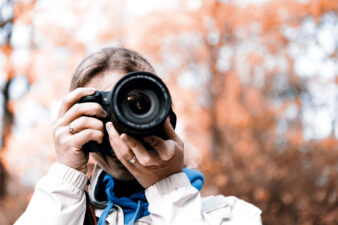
(230, 209)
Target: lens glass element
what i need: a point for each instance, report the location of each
(138, 102)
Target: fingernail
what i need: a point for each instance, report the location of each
(108, 125)
(124, 137)
(111, 130)
(91, 90)
(104, 113)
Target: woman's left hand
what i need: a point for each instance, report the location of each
(146, 166)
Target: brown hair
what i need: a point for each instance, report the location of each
(109, 59)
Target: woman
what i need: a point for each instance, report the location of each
(135, 187)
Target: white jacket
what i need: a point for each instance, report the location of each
(59, 199)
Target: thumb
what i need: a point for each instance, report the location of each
(170, 132)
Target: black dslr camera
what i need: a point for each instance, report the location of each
(138, 105)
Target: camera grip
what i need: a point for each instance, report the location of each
(90, 146)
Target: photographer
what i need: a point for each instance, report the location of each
(133, 185)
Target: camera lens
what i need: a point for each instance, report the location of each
(140, 105)
(138, 102)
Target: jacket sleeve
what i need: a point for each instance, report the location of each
(174, 201)
(59, 198)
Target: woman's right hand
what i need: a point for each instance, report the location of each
(76, 125)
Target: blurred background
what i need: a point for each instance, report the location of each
(254, 85)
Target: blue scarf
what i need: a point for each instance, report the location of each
(136, 205)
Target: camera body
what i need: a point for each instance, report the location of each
(138, 105)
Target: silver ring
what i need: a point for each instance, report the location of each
(71, 130)
(132, 160)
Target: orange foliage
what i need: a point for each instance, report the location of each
(235, 117)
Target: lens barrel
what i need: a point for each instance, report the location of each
(140, 103)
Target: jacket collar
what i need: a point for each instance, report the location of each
(97, 171)
(209, 204)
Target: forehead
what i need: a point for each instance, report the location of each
(105, 81)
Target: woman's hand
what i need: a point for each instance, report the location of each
(75, 126)
(146, 166)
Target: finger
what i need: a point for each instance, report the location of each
(86, 122)
(112, 132)
(120, 148)
(72, 97)
(81, 138)
(171, 134)
(143, 156)
(83, 109)
(165, 149)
